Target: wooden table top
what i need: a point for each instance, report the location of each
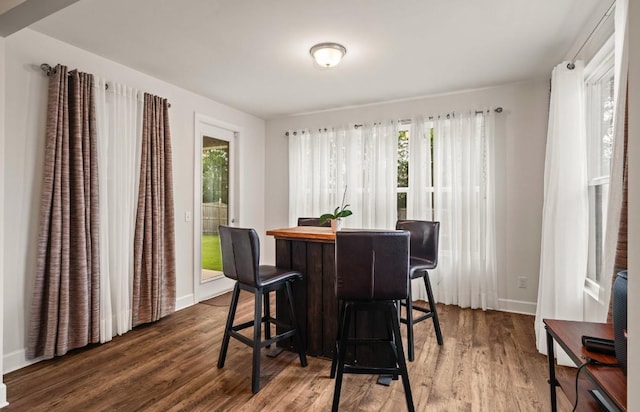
(304, 233)
(315, 233)
(569, 335)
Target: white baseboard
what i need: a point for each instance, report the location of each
(214, 287)
(517, 306)
(3, 395)
(17, 360)
(185, 301)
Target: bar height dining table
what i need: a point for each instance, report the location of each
(311, 250)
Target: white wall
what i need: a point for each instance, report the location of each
(3, 389)
(25, 131)
(521, 137)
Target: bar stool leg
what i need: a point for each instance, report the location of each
(341, 355)
(229, 325)
(257, 323)
(391, 333)
(410, 347)
(432, 308)
(267, 316)
(334, 359)
(402, 364)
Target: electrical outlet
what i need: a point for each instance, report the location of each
(522, 282)
(187, 216)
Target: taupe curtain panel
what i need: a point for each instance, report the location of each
(621, 248)
(65, 305)
(65, 309)
(154, 278)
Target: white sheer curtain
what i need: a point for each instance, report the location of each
(313, 186)
(463, 181)
(364, 160)
(119, 122)
(565, 218)
(372, 156)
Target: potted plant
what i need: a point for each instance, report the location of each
(337, 215)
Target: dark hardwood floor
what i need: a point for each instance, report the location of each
(488, 363)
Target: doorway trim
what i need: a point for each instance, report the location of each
(220, 285)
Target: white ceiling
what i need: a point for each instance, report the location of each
(254, 54)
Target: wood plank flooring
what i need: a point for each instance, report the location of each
(488, 363)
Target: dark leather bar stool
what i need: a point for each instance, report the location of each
(372, 274)
(241, 262)
(312, 221)
(424, 256)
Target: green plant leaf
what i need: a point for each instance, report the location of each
(325, 217)
(339, 212)
(344, 213)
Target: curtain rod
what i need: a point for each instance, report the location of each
(403, 121)
(47, 69)
(571, 65)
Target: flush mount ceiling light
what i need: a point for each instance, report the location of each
(328, 54)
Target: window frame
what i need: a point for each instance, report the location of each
(403, 127)
(599, 69)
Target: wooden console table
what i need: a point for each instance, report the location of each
(609, 381)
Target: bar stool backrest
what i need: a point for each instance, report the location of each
(312, 221)
(240, 254)
(372, 265)
(424, 239)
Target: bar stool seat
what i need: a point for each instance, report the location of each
(417, 265)
(240, 261)
(270, 275)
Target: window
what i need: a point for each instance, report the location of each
(403, 171)
(599, 113)
(408, 181)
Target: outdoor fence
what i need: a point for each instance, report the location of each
(213, 215)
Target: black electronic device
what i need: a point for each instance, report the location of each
(600, 345)
(620, 318)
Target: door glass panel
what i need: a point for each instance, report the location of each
(215, 203)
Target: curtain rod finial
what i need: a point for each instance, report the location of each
(46, 68)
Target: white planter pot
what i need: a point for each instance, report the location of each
(336, 224)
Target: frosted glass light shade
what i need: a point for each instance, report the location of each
(328, 54)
